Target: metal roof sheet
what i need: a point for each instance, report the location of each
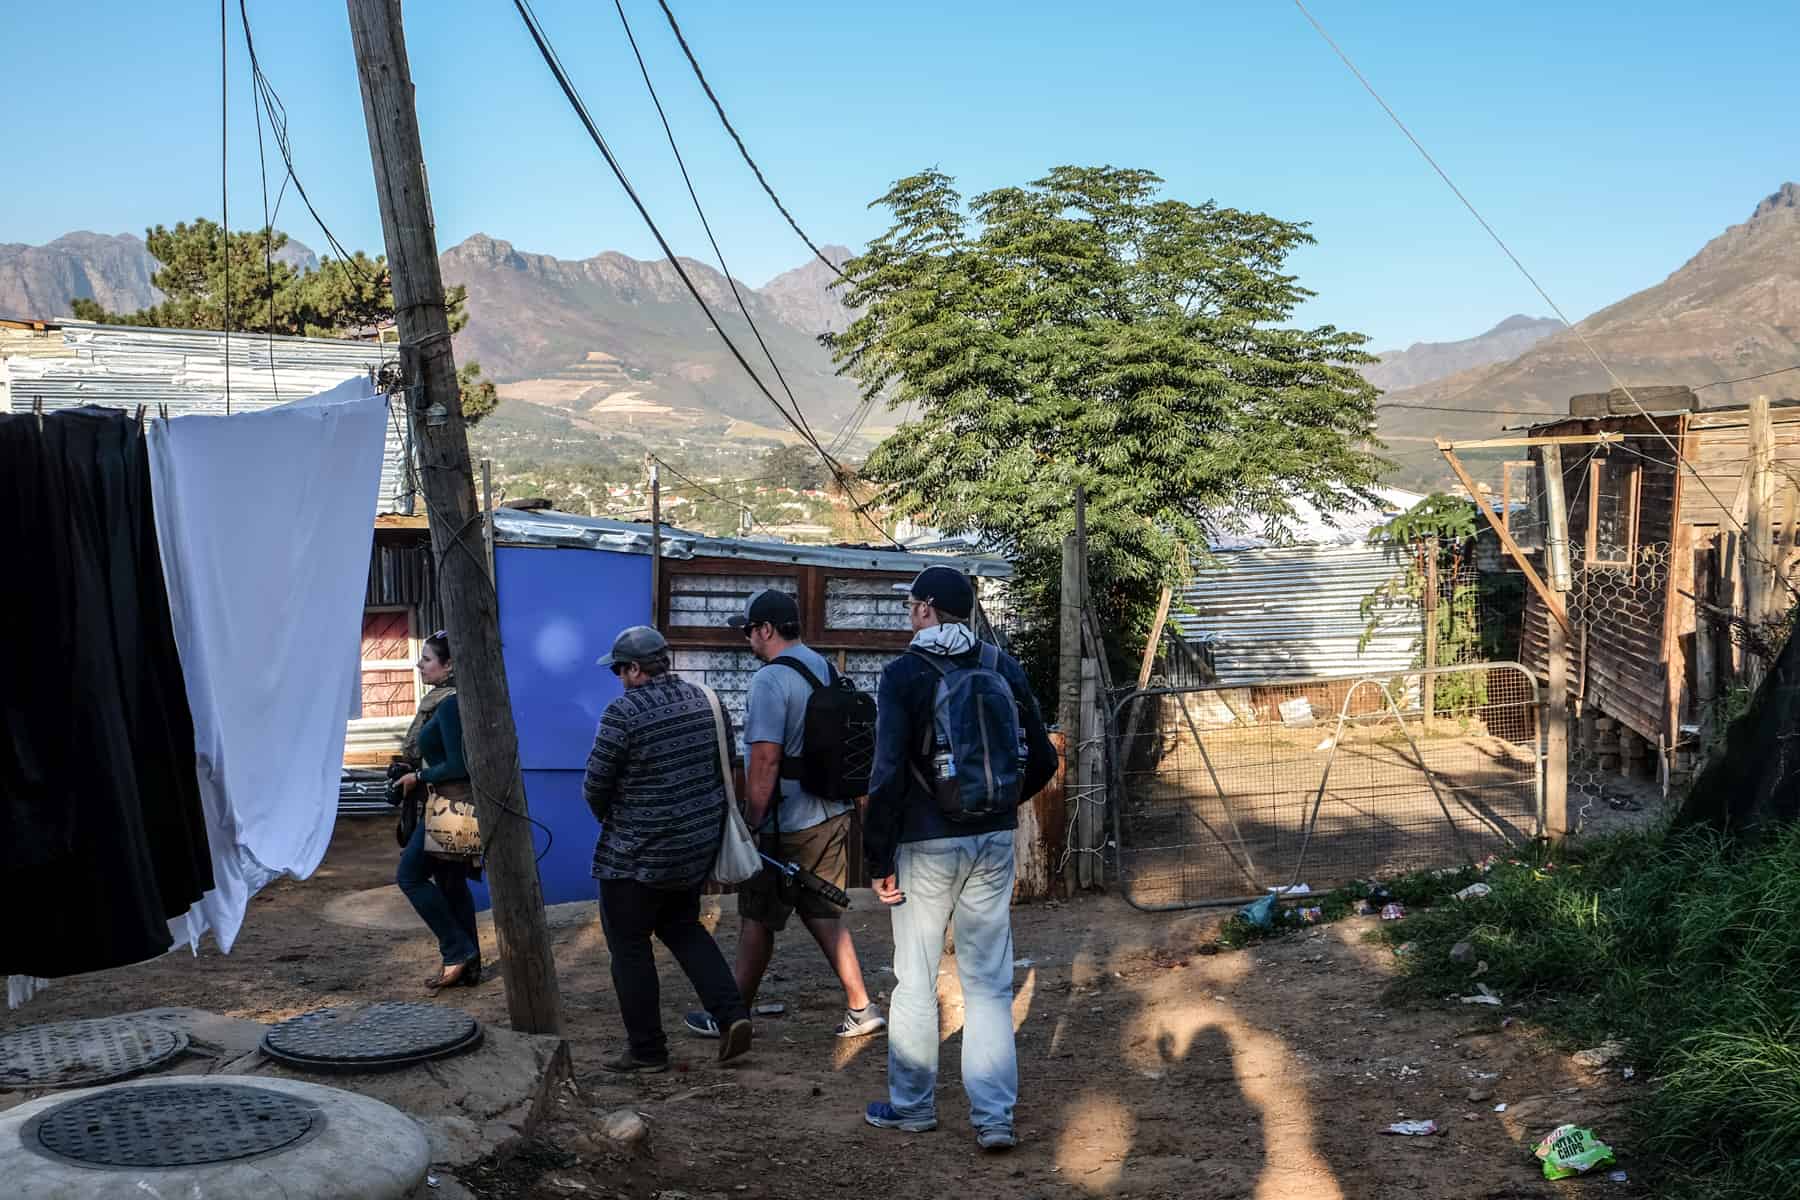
(184, 370)
(551, 528)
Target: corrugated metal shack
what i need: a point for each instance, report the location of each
(1262, 612)
(68, 364)
(1649, 539)
(568, 584)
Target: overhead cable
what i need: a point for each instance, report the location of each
(742, 149)
(581, 111)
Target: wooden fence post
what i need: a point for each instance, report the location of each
(1556, 700)
(1429, 690)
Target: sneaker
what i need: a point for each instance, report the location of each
(735, 1043)
(996, 1138)
(881, 1115)
(628, 1063)
(861, 1022)
(701, 1024)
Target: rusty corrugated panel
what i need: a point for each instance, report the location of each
(183, 370)
(1294, 612)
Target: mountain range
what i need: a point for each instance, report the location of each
(1730, 311)
(613, 349)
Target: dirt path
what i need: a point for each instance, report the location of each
(1148, 1069)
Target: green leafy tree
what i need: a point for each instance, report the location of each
(1083, 330)
(797, 467)
(338, 298)
(1475, 619)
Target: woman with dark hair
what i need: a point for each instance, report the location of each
(438, 888)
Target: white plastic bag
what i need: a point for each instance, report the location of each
(738, 858)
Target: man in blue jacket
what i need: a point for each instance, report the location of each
(929, 868)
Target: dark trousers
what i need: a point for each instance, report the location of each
(630, 912)
(439, 892)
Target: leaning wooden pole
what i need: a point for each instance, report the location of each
(471, 607)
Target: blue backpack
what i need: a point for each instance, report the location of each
(977, 740)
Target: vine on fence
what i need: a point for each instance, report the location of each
(1443, 526)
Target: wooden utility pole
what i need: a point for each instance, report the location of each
(655, 541)
(1070, 609)
(471, 607)
(1556, 701)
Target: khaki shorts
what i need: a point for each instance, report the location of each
(770, 898)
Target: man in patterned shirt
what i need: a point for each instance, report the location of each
(656, 783)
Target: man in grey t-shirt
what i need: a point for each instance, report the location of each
(794, 824)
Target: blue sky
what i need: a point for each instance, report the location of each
(1607, 143)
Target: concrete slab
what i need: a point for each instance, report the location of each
(386, 909)
(471, 1105)
(361, 1150)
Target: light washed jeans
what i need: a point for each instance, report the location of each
(970, 878)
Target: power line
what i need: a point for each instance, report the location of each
(738, 504)
(225, 199)
(554, 62)
(1480, 412)
(1748, 378)
(262, 170)
(742, 149)
(725, 270)
(1507, 250)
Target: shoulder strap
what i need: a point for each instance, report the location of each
(792, 663)
(718, 714)
(936, 660)
(990, 655)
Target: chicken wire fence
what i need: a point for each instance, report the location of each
(1222, 793)
(1616, 594)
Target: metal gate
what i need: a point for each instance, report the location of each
(1222, 793)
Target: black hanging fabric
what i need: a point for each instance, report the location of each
(103, 840)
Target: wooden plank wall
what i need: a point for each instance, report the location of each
(1620, 666)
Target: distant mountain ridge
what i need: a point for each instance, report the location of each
(1423, 362)
(1730, 311)
(38, 282)
(611, 346)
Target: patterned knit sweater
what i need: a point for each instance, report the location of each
(654, 783)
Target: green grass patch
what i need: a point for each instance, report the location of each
(1681, 946)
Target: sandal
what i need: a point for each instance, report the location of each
(451, 976)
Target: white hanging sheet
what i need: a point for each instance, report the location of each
(265, 520)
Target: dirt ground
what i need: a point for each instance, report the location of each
(1148, 1069)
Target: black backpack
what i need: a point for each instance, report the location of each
(837, 739)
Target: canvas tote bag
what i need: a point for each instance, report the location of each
(738, 857)
(451, 830)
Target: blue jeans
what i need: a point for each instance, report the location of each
(439, 892)
(970, 878)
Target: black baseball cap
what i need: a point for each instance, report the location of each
(944, 588)
(768, 607)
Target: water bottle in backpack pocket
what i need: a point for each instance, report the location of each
(977, 738)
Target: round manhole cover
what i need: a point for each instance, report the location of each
(74, 1053)
(172, 1126)
(372, 1037)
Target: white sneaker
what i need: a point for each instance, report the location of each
(861, 1023)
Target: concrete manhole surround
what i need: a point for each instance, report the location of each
(353, 1146)
(82, 1053)
(374, 1037)
(171, 1126)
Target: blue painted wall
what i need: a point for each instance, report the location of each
(559, 612)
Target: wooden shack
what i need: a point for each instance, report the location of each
(1676, 525)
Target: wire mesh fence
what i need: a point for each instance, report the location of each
(1223, 793)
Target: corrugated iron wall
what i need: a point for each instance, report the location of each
(1294, 612)
(123, 366)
